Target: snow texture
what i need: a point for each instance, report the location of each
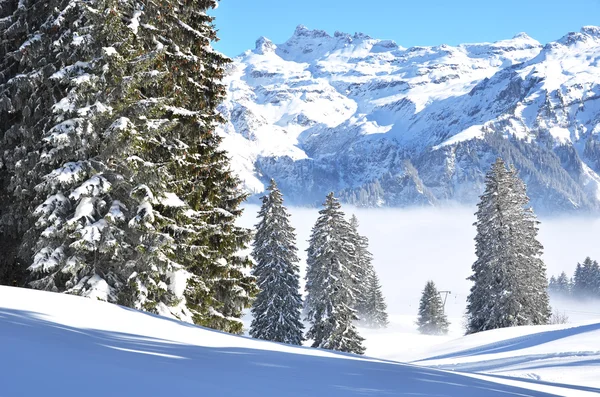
(344, 113)
(52, 334)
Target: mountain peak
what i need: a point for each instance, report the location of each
(522, 35)
(303, 31)
(264, 45)
(587, 34)
(591, 30)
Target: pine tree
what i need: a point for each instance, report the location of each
(370, 304)
(375, 308)
(510, 284)
(586, 280)
(330, 282)
(559, 286)
(552, 285)
(278, 305)
(432, 320)
(16, 98)
(132, 199)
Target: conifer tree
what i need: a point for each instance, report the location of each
(432, 320)
(375, 308)
(370, 304)
(16, 99)
(586, 280)
(131, 198)
(552, 285)
(278, 305)
(329, 282)
(560, 285)
(510, 284)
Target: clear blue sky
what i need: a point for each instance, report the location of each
(409, 23)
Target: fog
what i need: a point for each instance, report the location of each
(411, 246)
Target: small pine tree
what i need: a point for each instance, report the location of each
(278, 305)
(586, 280)
(560, 286)
(432, 320)
(552, 285)
(370, 304)
(330, 282)
(375, 308)
(510, 284)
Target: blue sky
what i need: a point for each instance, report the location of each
(409, 23)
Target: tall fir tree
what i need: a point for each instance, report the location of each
(586, 280)
(278, 305)
(432, 320)
(370, 304)
(510, 284)
(330, 282)
(16, 100)
(132, 199)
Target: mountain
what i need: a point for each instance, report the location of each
(384, 125)
(64, 345)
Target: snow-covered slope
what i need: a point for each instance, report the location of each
(54, 344)
(557, 353)
(385, 125)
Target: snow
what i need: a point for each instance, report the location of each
(135, 21)
(47, 259)
(68, 174)
(110, 51)
(172, 200)
(29, 42)
(96, 287)
(293, 107)
(472, 132)
(51, 334)
(142, 354)
(95, 186)
(85, 209)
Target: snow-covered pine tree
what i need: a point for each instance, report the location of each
(375, 307)
(559, 286)
(13, 33)
(510, 284)
(552, 285)
(361, 268)
(329, 282)
(134, 197)
(586, 281)
(432, 320)
(185, 197)
(278, 305)
(370, 304)
(49, 135)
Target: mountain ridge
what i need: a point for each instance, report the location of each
(383, 125)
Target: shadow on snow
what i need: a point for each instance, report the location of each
(40, 357)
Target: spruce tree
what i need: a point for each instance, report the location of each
(278, 305)
(510, 284)
(586, 283)
(113, 152)
(330, 282)
(552, 285)
(560, 286)
(375, 308)
(370, 304)
(432, 320)
(16, 99)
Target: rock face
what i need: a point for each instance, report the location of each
(382, 125)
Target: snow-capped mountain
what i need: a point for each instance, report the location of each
(384, 125)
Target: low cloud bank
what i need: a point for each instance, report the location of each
(411, 246)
